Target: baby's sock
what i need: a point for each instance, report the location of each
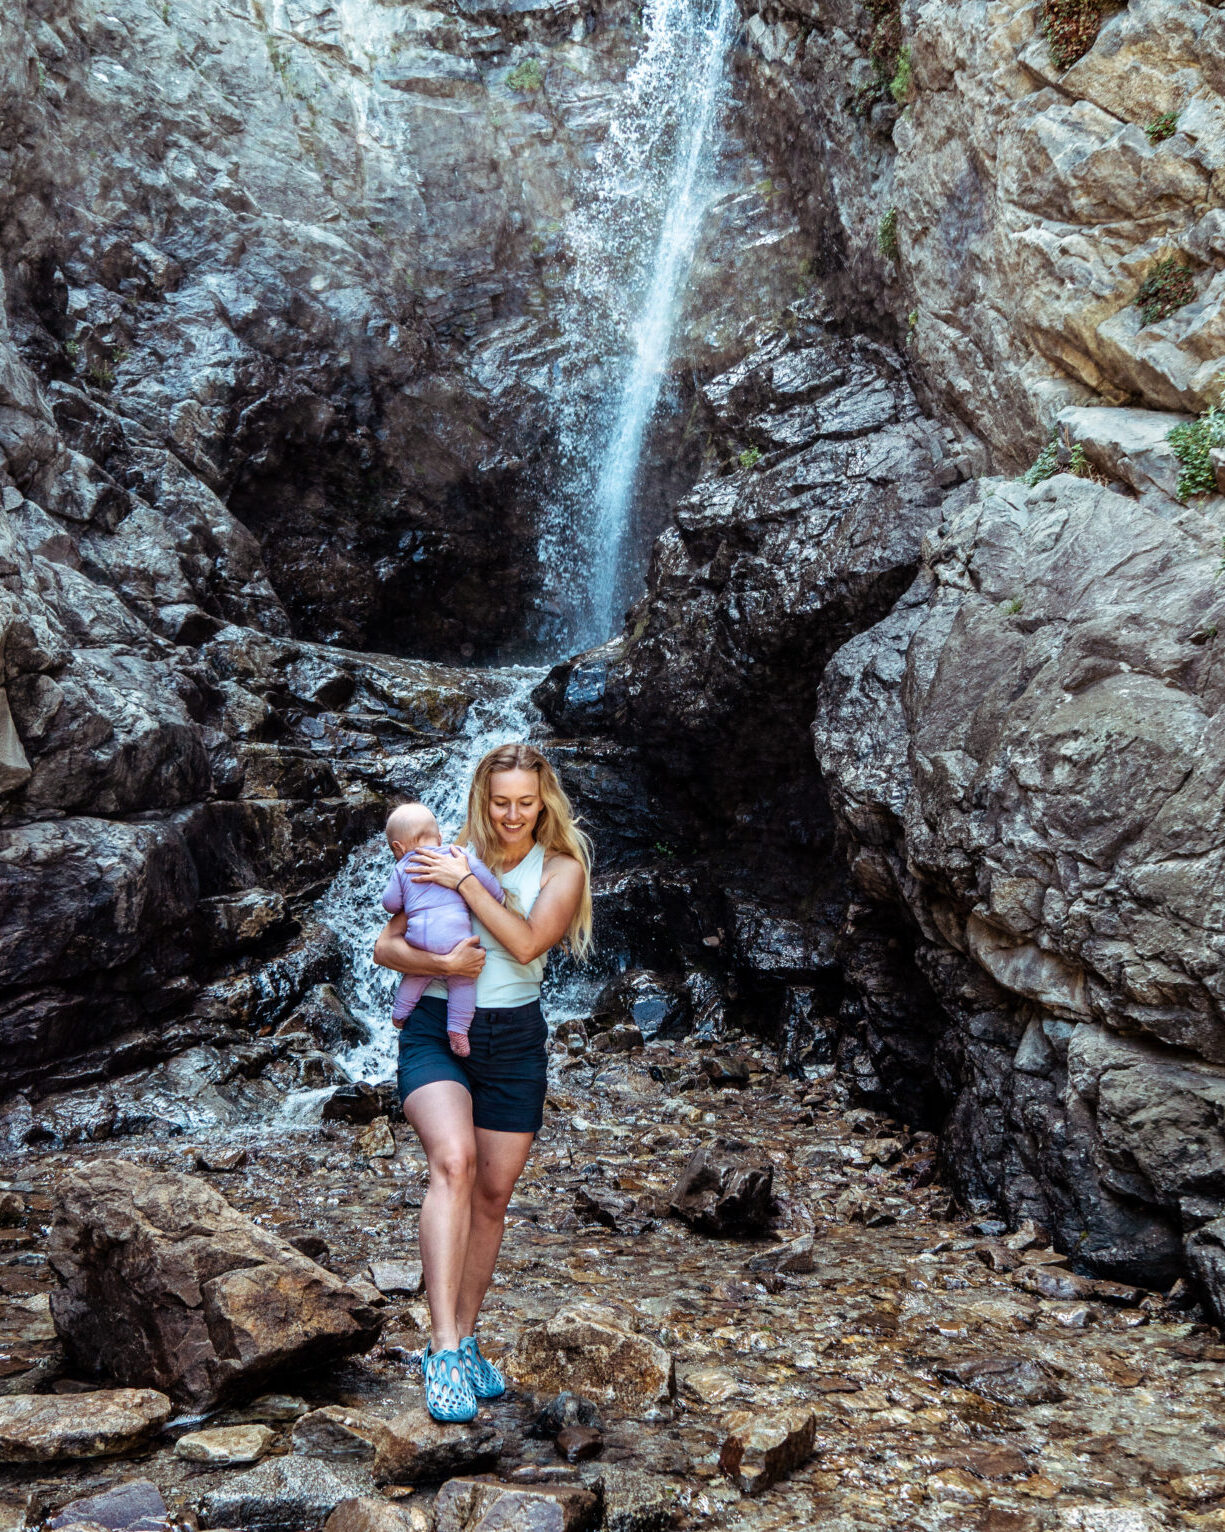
(460, 1046)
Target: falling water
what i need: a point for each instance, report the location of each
(634, 241)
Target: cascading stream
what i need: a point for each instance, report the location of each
(633, 242)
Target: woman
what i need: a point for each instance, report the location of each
(476, 1116)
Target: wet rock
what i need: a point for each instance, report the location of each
(367, 1513)
(46, 1428)
(587, 1347)
(794, 1258)
(565, 1410)
(284, 1494)
(710, 1385)
(659, 1005)
(276, 1407)
(327, 1019)
(579, 1443)
(358, 1103)
(762, 1448)
(398, 1277)
(471, 1505)
(376, 1140)
(136, 1506)
(635, 1501)
(725, 1189)
(163, 1282)
(1007, 1380)
(402, 1449)
(623, 1038)
(220, 1160)
(222, 1446)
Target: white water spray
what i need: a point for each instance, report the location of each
(634, 242)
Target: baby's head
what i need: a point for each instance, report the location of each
(410, 825)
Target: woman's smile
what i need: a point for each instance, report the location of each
(514, 807)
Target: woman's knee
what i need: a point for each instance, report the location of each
(454, 1164)
(492, 1197)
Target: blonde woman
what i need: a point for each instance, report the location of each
(476, 1116)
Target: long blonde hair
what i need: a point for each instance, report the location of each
(557, 829)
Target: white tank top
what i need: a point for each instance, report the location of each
(502, 982)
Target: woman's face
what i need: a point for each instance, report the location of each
(514, 807)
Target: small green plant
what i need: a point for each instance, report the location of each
(1071, 28)
(42, 76)
(166, 12)
(1080, 466)
(527, 76)
(912, 319)
(101, 375)
(886, 235)
(1167, 287)
(72, 350)
(1014, 606)
(665, 850)
(1193, 443)
(899, 86)
(750, 457)
(1045, 465)
(1162, 127)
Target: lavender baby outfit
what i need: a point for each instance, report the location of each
(437, 919)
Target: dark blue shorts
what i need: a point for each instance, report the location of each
(506, 1072)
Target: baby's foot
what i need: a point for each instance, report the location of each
(459, 1044)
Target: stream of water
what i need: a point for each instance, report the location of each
(633, 238)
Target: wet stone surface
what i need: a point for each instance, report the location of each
(958, 1375)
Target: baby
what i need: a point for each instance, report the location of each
(438, 918)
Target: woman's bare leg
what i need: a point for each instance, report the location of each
(500, 1158)
(441, 1114)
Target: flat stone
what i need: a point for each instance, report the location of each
(44, 1428)
(762, 1448)
(367, 1513)
(220, 1160)
(276, 1407)
(1007, 1380)
(794, 1258)
(398, 1277)
(225, 1445)
(476, 1505)
(587, 1348)
(283, 1494)
(710, 1385)
(135, 1506)
(404, 1449)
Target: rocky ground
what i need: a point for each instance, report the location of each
(899, 1368)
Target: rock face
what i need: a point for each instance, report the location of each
(1023, 757)
(42, 1428)
(162, 1282)
(1030, 201)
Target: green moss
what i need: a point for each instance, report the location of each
(1192, 444)
(527, 76)
(899, 86)
(750, 457)
(886, 235)
(1014, 606)
(1167, 287)
(1162, 127)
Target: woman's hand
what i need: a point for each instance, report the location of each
(466, 959)
(429, 864)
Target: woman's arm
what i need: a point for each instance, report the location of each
(524, 938)
(464, 961)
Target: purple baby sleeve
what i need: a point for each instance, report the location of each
(393, 894)
(485, 878)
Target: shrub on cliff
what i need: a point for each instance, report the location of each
(1071, 28)
(1193, 444)
(1167, 287)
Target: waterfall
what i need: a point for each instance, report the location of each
(633, 241)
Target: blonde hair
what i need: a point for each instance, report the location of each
(557, 829)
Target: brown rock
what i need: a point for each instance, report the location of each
(43, 1428)
(793, 1258)
(366, 1513)
(474, 1505)
(635, 1501)
(134, 1506)
(164, 1283)
(1007, 1380)
(585, 1348)
(376, 1140)
(760, 1449)
(725, 1189)
(401, 1450)
(578, 1443)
